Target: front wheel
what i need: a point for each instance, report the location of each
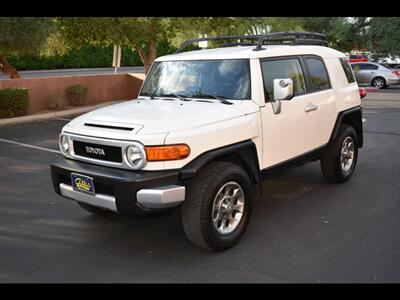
(217, 208)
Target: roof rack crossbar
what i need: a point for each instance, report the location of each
(275, 38)
(293, 38)
(217, 38)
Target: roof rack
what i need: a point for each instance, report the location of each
(276, 38)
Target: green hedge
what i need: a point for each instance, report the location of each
(13, 102)
(84, 57)
(77, 94)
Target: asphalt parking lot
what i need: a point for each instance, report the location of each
(302, 230)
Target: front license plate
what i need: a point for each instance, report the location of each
(82, 183)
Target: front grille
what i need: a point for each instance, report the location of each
(96, 151)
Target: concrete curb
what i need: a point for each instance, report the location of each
(53, 115)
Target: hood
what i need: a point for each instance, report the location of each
(147, 117)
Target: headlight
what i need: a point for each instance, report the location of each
(136, 156)
(64, 144)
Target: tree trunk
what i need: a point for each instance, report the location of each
(149, 58)
(6, 68)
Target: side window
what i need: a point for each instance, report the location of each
(370, 67)
(318, 77)
(279, 69)
(363, 66)
(347, 69)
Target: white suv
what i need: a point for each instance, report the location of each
(209, 126)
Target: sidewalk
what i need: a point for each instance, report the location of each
(53, 115)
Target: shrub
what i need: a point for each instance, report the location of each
(13, 102)
(87, 56)
(57, 100)
(77, 94)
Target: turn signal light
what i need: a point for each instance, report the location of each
(169, 152)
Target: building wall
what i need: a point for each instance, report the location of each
(101, 88)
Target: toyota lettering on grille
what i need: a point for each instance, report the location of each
(93, 150)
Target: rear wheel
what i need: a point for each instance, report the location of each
(340, 159)
(378, 82)
(217, 208)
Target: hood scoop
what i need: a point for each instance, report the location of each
(109, 126)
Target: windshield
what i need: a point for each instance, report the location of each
(227, 78)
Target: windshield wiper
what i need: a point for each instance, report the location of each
(180, 97)
(219, 98)
(146, 94)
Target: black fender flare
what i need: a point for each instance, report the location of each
(352, 116)
(246, 150)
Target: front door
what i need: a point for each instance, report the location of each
(292, 132)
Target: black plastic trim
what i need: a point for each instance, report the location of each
(246, 150)
(109, 127)
(292, 163)
(355, 116)
(123, 183)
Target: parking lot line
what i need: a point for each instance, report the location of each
(29, 146)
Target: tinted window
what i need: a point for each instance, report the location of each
(369, 67)
(226, 78)
(281, 69)
(318, 76)
(347, 70)
(354, 56)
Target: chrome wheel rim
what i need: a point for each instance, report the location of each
(228, 208)
(347, 154)
(378, 82)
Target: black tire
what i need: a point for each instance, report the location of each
(94, 210)
(331, 165)
(378, 82)
(197, 210)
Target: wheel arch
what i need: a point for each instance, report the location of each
(351, 117)
(243, 154)
(384, 79)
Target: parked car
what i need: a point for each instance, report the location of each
(390, 60)
(208, 127)
(376, 75)
(358, 58)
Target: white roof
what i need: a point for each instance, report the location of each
(247, 52)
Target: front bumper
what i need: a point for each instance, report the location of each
(122, 191)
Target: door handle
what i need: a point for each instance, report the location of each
(310, 107)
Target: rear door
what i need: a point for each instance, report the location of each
(321, 95)
(364, 72)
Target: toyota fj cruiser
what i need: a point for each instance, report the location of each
(209, 126)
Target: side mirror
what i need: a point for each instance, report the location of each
(283, 90)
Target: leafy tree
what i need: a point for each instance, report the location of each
(21, 35)
(140, 33)
(383, 35)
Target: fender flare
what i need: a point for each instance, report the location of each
(352, 116)
(246, 150)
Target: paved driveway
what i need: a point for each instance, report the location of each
(302, 230)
